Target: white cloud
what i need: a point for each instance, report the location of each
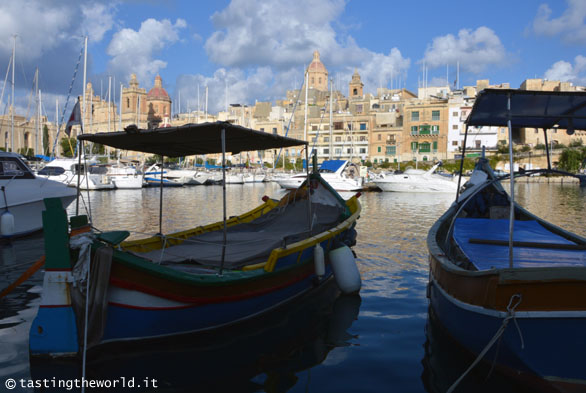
(570, 25)
(278, 32)
(133, 51)
(248, 38)
(566, 72)
(475, 50)
(98, 19)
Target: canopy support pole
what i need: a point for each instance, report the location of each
(462, 162)
(161, 198)
(512, 184)
(80, 143)
(224, 199)
(308, 185)
(547, 149)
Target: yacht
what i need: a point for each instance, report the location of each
(341, 175)
(64, 170)
(22, 196)
(126, 177)
(417, 180)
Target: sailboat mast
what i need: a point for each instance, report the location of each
(306, 92)
(38, 108)
(40, 135)
(331, 109)
(12, 109)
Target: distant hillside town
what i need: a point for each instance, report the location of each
(390, 126)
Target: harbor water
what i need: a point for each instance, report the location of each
(379, 341)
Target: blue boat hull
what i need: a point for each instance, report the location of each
(551, 348)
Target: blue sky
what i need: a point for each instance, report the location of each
(256, 50)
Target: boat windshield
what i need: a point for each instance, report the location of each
(12, 168)
(52, 171)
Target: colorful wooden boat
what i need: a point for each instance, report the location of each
(507, 285)
(194, 280)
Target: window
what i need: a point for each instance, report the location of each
(128, 102)
(338, 152)
(350, 126)
(338, 139)
(379, 149)
(455, 127)
(359, 108)
(424, 130)
(434, 146)
(413, 130)
(414, 146)
(363, 126)
(379, 137)
(362, 138)
(478, 144)
(454, 143)
(326, 138)
(362, 150)
(435, 115)
(349, 150)
(262, 129)
(312, 80)
(313, 128)
(424, 147)
(338, 125)
(274, 130)
(415, 116)
(355, 92)
(375, 160)
(455, 114)
(434, 130)
(349, 139)
(391, 150)
(326, 151)
(319, 80)
(314, 139)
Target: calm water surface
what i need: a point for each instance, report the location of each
(380, 341)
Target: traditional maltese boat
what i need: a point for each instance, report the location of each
(507, 285)
(99, 288)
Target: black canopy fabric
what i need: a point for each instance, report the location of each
(530, 109)
(191, 139)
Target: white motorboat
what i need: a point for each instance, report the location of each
(254, 177)
(22, 196)
(126, 177)
(186, 176)
(64, 170)
(340, 175)
(152, 178)
(417, 180)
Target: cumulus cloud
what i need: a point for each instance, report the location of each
(98, 19)
(567, 72)
(133, 51)
(248, 39)
(475, 50)
(570, 25)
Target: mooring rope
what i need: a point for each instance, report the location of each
(510, 316)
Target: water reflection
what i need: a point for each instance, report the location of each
(270, 353)
(445, 361)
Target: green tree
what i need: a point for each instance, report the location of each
(571, 159)
(46, 141)
(68, 146)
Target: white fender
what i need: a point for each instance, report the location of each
(319, 261)
(345, 269)
(7, 224)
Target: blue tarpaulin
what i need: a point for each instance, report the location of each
(331, 165)
(487, 256)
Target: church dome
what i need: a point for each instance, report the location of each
(157, 92)
(316, 65)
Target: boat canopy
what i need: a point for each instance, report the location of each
(191, 139)
(530, 109)
(331, 165)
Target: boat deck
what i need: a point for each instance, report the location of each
(485, 243)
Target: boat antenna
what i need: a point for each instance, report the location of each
(512, 182)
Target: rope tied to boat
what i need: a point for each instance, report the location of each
(514, 302)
